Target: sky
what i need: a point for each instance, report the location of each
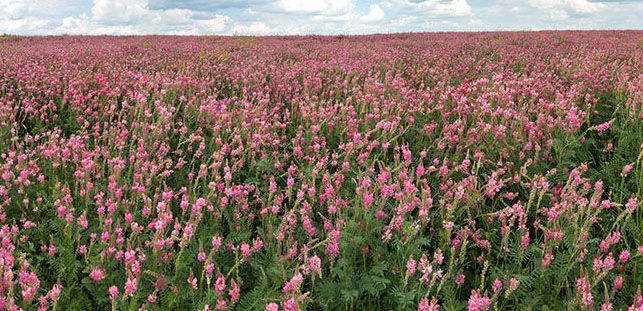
(294, 17)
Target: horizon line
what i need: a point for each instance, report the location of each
(323, 34)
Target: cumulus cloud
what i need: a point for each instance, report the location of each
(254, 28)
(120, 11)
(375, 13)
(578, 6)
(16, 9)
(430, 8)
(317, 6)
(455, 7)
(259, 17)
(203, 5)
(122, 17)
(13, 9)
(136, 14)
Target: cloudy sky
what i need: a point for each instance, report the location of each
(42, 17)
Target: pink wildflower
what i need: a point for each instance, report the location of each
(477, 302)
(97, 274)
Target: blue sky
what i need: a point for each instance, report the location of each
(264, 17)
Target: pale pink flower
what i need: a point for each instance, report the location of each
(410, 266)
(425, 305)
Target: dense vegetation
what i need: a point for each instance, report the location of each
(384, 172)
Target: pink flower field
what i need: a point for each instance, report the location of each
(443, 171)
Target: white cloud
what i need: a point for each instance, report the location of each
(27, 25)
(215, 24)
(73, 25)
(375, 13)
(124, 17)
(254, 29)
(119, 11)
(250, 12)
(404, 20)
(135, 17)
(316, 6)
(16, 9)
(455, 8)
(558, 15)
(577, 6)
(563, 14)
(13, 9)
(311, 16)
(429, 8)
(351, 19)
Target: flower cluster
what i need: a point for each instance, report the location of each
(408, 171)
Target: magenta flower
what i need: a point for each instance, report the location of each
(220, 284)
(425, 305)
(131, 286)
(97, 275)
(618, 282)
(478, 302)
(113, 292)
(624, 256)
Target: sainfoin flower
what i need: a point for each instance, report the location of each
(410, 265)
(478, 302)
(315, 265)
(584, 288)
(604, 126)
(113, 292)
(206, 172)
(220, 284)
(627, 169)
(618, 282)
(97, 274)
(234, 291)
(131, 285)
(425, 305)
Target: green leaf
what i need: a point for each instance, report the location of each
(349, 295)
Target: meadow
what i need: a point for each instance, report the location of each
(428, 171)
